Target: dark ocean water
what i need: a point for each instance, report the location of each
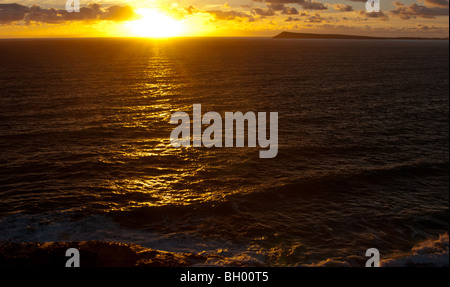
(363, 154)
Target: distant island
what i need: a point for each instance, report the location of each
(292, 35)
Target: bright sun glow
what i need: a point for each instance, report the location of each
(155, 24)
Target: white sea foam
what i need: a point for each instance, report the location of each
(431, 252)
(45, 228)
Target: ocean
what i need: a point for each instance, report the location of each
(363, 148)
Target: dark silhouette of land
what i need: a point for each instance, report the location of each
(98, 254)
(292, 35)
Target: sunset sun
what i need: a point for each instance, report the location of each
(155, 24)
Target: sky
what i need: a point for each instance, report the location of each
(230, 18)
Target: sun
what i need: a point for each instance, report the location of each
(155, 24)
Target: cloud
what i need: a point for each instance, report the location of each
(432, 28)
(118, 13)
(12, 12)
(315, 19)
(343, 8)
(439, 3)
(191, 10)
(374, 15)
(265, 12)
(228, 15)
(276, 6)
(269, 11)
(284, 9)
(290, 11)
(93, 12)
(312, 5)
(305, 4)
(415, 10)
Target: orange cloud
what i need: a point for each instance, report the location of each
(415, 10)
(93, 12)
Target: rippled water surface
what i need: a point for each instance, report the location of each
(362, 162)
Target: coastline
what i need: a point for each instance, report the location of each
(99, 254)
(295, 35)
(94, 253)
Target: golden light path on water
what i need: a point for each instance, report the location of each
(162, 175)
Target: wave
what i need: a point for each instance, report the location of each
(26, 239)
(429, 253)
(398, 176)
(99, 236)
(101, 254)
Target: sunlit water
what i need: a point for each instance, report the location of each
(363, 146)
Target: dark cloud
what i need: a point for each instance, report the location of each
(290, 11)
(272, 9)
(12, 12)
(310, 19)
(315, 19)
(284, 9)
(265, 12)
(377, 15)
(312, 5)
(93, 12)
(305, 4)
(276, 6)
(343, 8)
(228, 15)
(36, 14)
(414, 11)
(439, 3)
(432, 28)
(290, 19)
